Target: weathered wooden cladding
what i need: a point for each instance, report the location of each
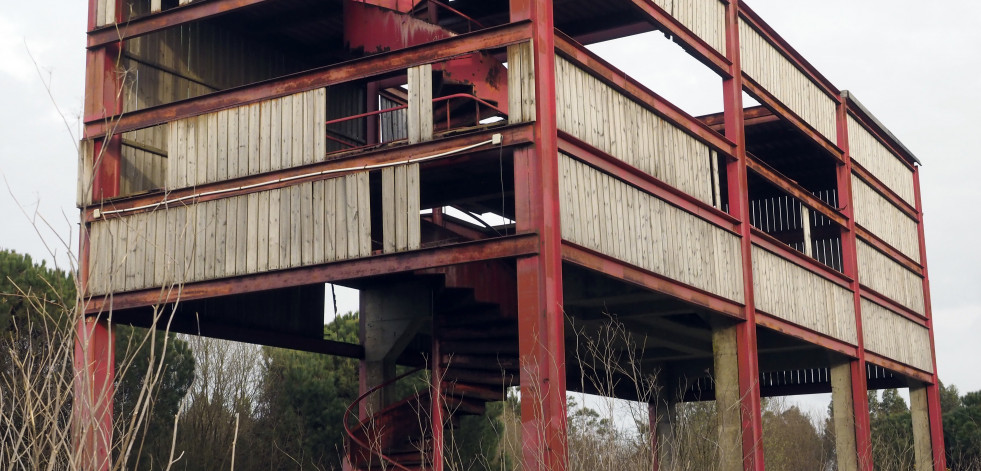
(877, 214)
(274, 134)
(778, 75)
(298, 225)
(105, 12)
(889, 278)
(401, 224)
(705, 18)
(786, 290)
(895, 337)
(595, 113)
(609, 216)
(143, 160)
(521, 83)
(865, 149)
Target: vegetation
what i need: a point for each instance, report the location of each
(266, 408)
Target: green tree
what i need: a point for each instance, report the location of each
(962, 433)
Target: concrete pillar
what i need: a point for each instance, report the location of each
(727, 396)
(662, 422)
(922, 441)
(389, 318)
(846, 447)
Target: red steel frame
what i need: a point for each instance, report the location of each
(540, 250)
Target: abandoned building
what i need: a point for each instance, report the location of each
(494, 188)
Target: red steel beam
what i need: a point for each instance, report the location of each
(885, 191)
(541, 318)
(906, 370)
(522, 245)
(794, 189)
(859, 377)
(790, 53)
(637, 92)
(607, 163)
(887, 249)
(375, 65)
(736, 174)
(511, 136)
(607, 265)
(933, 387)
(773, 322)
(774, 246)
(695, 46)
(153, 22)
(768, 100)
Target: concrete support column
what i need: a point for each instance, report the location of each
(922, 441)
(727, 396)
(846, 446)
(389, 318)
(662, 420)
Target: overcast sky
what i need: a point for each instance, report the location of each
(913, 66)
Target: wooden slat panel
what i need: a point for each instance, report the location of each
(597, 210)
(896, 337)
(521, 84)
(705, 18)
(877, 214)
(889, 278)
(630, 132)
(865, 149)
(420, 114)
(790, 292)
(778, 75)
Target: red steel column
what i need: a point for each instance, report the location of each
(95, 337)
(933, 390)
(749, 371)
(540, 315)
(436, 406)
(860, 393)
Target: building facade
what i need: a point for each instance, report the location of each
(496, 191)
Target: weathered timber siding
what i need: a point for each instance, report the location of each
(400, 208)
(274, 134)
(105, 12)
(705, 18)
(609, 216)
(779, 76)
(143, 163)
(865, 149)
(592, 111)
(895, 337)
(192, 60)
(877, 214)
(790, 292)
(521, 83)
(294, 226)
(889, 278)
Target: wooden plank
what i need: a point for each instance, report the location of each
(320, 124)
(364, 214)
(414, 235)
(330, 219)
(244, 120)
(265, 129)
(286, 132)
(200, 240)
(254, 126)
(296, 225)
(353, 218)
(160, 248)
(275, 210)
(306, 226)
(401, 209)
(231, 235)
(388, 210)
(308, 126)
(318, 222)
(412, 117)
(262, 230)
(341, 220)
(221, 147)
(275, 134)
(201, 155)
(297, 131)
(241, 234)
(252, 228)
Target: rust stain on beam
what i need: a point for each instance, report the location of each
(375, 65)
(521, 245)
(155, 22)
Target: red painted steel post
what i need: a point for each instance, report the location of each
(749, 371)
(849, 263)
(540, 314)
(436, 406)
(933, 390)
(95, 336)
